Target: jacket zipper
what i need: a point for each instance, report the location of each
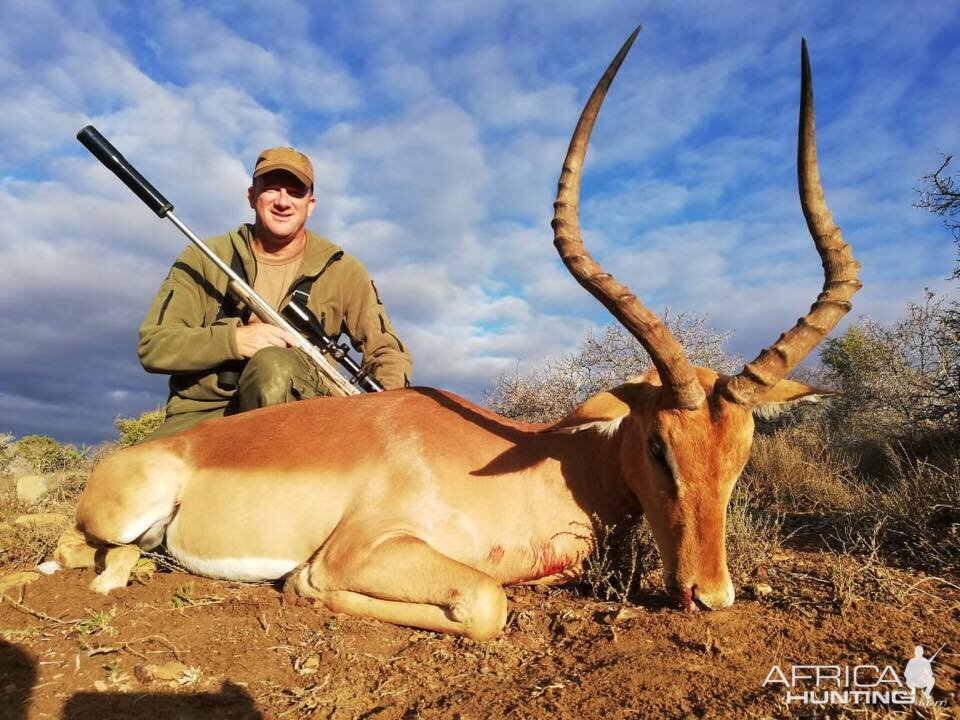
(293, 286)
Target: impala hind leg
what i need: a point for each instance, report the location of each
(73, 550)
(406, 582)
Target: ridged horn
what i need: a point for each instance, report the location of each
(839, 268)
(667, 354)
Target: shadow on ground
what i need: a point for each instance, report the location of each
(18, 672)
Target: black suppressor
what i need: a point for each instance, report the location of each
(106, 153)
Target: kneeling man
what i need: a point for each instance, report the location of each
(221, 358)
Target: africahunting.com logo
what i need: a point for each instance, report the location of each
(858, 684)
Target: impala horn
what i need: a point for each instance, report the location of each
(839, 269)
(676, 372)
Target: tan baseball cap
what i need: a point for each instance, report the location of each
(285, 158)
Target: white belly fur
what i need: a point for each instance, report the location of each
(249, 569)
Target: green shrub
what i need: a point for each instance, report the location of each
(133, 430)
(6, 452)
(43, 454)
(897, 382)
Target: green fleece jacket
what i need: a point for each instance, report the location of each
(181, 335)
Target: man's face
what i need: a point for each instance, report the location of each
(282, 204)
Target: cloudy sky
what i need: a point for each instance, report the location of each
(437, 130)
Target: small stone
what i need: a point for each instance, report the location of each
(17, 579)
(33, 488)
(624, 613)
(762, 590)
(49, 567)
(145, 569)
(100, 685)
(309, 666)
(168, 671)
(524, 641)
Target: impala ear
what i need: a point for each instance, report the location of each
(602, 412)
(787, 394)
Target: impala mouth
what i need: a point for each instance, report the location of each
(693, 598)
(689, 602)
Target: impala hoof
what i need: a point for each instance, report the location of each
(103, 584)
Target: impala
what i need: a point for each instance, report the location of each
(416, 506)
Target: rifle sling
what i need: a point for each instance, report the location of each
(228, 376)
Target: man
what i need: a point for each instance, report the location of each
(195, 332)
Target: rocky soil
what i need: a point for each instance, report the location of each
(174, 645)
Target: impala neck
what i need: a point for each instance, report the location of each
(591, 468)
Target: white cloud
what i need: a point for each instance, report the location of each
(295, 71)
(437, 132)
(398, 169)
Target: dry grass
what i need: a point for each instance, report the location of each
(798, 470)
(23, 544)
(24, 547)
(906, 509)
(919, 508)
(754, 535)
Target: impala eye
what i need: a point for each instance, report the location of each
(658, 451)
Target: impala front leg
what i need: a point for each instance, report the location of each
(113, 563)
(405, 581)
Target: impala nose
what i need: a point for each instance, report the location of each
(697, 597)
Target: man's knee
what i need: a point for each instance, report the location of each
(276, 375)
(266, 378)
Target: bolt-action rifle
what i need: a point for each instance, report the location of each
(300, 322)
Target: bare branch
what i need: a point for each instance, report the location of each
(941, 196)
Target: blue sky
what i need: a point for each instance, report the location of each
(437, 130)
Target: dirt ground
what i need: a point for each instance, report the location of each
(178, 646)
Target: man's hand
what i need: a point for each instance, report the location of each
(258, 335)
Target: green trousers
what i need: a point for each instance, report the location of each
(272, 376)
